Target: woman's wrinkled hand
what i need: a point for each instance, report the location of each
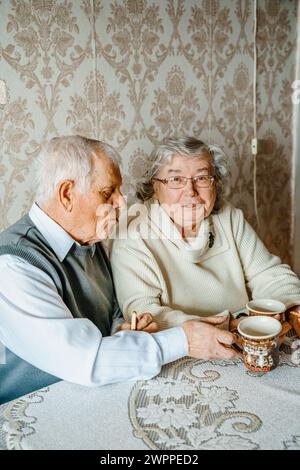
(144, 323)
(293, 317)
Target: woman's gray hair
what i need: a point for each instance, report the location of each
(68, 158)
(189, 147)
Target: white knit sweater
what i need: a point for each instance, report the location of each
(176, 281)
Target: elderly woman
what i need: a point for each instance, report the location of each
(196, 255)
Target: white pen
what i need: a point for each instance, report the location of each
(133, 320)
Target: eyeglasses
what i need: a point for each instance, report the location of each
(178, 182)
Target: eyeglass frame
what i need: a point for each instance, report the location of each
(166, 180)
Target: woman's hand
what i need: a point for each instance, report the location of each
(144, 322)
(294, 318)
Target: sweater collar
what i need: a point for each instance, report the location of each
(59, 240)
(193, 249)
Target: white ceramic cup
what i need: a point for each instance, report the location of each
(265, 307)
(259, 328)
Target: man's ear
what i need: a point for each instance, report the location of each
(66, 194)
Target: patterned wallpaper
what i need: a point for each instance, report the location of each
(134, 71)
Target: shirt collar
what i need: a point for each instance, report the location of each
(59, 240)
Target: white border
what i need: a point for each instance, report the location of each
(296, 169)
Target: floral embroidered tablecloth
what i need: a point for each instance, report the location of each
(192, 404)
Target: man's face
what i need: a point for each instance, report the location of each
(188, 204)
(97, 211)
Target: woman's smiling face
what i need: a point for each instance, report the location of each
(189, 197)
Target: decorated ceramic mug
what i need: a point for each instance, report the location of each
(266, 307)
(259, 338)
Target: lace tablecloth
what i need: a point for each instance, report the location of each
(191, 405)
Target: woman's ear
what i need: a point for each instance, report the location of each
(66, 194)
(155, 190)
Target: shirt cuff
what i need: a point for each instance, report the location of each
(173, 344)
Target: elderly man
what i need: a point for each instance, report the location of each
(59, 318)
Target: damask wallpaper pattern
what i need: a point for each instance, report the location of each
(132, 72)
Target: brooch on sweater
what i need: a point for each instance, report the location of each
(211, 239)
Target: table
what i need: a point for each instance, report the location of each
(192, 404)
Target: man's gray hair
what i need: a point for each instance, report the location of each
(188, 147)
(68, 158)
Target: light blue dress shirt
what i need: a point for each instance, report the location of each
(68, 348)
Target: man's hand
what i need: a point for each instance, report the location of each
(144, 323)
(208, 342)
(234, 322)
